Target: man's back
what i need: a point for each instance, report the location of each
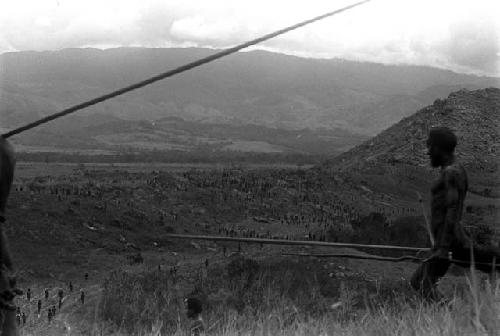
(448, 196)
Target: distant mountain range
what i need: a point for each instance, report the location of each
(325, 106)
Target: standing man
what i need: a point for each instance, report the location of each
(7, 284)
(193, 312)
(447, 203)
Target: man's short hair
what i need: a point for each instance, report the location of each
(443, 138)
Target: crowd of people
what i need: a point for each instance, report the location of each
(48, 302)
(305, 202)
(291, 197)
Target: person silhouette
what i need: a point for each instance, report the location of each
(447, 203)
(193, 312)
(8, 289)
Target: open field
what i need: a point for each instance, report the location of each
(66, 219)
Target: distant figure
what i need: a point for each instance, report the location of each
(60, 293)
(46, 294)
(193, 312)
(49, 315)
(448, 195)
(8, 289)
(60, 303)
(70, 286)
(39, 306)
(82, 296)
(28, 294)
(86, 276)
(206, 263)
(24, 318)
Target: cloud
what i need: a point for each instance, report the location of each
(474, 45)
(197, 29)
(452, 34)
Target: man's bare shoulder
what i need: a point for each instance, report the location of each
(454, 173)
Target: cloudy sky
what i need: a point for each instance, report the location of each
(460, 35)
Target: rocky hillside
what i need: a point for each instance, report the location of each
(473, 115)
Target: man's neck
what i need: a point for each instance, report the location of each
(448, 160)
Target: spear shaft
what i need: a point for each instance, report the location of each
(294, 242)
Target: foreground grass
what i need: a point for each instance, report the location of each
(289, 298)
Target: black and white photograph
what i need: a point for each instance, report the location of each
(249, 168)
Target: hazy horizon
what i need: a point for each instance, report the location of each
(452, 35)
(257, 49)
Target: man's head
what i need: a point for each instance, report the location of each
(441, 144)
(7, 163)
(193, 307)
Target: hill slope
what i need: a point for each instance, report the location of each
(473, 115)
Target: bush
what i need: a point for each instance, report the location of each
(135, 302)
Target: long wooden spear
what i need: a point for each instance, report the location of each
(295, 242)
(356, 256)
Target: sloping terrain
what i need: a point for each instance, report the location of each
(473, 115)
(110, 221)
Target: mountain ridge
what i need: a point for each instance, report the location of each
(256, 87)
